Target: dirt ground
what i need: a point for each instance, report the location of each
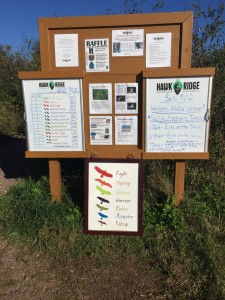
(30, 275)
(25, 274)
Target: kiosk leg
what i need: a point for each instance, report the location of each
(179, 181)
(55, 180)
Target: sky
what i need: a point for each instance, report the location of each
(19, 19)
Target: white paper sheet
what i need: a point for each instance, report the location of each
(127, 42)
(66, 50)
(126, 130)
(158, 50)
(101, 130)
(126, 98)
(100, 98)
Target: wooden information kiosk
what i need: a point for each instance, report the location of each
(117, 86)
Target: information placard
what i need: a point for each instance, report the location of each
(66, 50)
(113, 201)
(126, 130)
(54, 114)
(101, 130)
(97, 55)
(128, 42)
(158, 50)
(126, 98)
(177, 114)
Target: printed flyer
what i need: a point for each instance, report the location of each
(126, 129)
(66, 50)
(158, 50)
(97, 55)
(113, 201)
(101, 130)
(126, 98)
(100, 98)
(127, 42)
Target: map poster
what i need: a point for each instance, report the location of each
(54, 114)
(113, 200)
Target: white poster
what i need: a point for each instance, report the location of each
(177, 114)
(54, 114)
(127, 42)
(100, 98)
(101, 130)
(97, 55)
(126, 98)
(126, 130)
(113, 197)
(158, 50)
(66, 50)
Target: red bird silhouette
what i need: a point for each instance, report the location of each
(103, 173)
(103, 182)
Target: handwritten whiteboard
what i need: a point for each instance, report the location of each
(177, 114)
(113, 200)
(54, 114)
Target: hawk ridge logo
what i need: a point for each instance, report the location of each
(177, 86)
(51, 85)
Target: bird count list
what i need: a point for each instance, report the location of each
(54, 115)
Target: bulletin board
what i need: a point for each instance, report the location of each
(108, 55)
(177, 113)
(113, 197)
(111, 52)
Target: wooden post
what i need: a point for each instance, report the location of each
(179, 181)
(55, 180)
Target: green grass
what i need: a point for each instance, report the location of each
(185, 244)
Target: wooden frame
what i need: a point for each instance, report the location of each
(113, 196)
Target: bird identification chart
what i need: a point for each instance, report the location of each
(54, 114)
(113, 201)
